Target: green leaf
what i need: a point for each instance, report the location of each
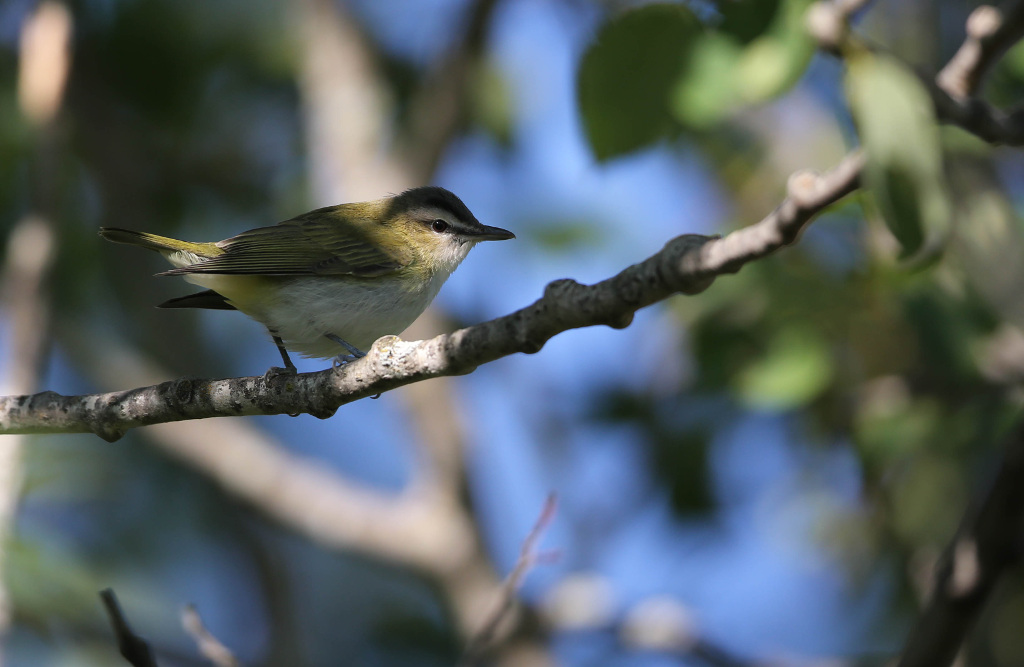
(747, 19)
(795, 370)
(927, 499)
(726, 72)
(492, 105)
(628, 73)
(904, 171)
(707, 90)
(561, 235)
(775, 61)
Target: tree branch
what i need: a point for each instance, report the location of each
(990, 34)
(687, 264)
(986, 545)
(209, 646)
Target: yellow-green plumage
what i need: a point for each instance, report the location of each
(354, 271)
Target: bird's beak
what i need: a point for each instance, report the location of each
(492, 234)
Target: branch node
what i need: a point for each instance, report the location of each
(621, 321)
(984, 22)
(108, 432)
(321, 411)
(826, 25)
(181, 390)
(803, 187)
(681, 268)
(560, 289)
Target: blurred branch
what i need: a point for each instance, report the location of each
(300, 493)
(345, 107)
(43, 64)
(528, 557)
(209, 646)
(133, 648)
(687, 264)
(665, 625)
(987, 544)
(439, 106)
(337, 63)
(990, 34)
(584, 603)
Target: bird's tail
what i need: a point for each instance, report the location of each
(161, 244)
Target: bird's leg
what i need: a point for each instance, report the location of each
(289, 367)
(342, 359)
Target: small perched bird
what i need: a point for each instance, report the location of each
(337, 276)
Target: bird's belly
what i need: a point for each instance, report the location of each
(303, 310)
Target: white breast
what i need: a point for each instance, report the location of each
(302, 310)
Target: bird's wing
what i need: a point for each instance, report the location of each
(308, 245)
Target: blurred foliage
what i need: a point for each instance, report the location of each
(185, 118)
(694, 75)
(915, 364)
(904, 170)
(626, 76)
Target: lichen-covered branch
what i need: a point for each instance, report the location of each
(688, 264)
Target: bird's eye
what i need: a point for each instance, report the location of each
(439, 225)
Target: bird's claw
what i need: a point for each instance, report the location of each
(276, 371)
(343, 359)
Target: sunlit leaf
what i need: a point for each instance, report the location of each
(899, 131)
(727, 72)
(775, 61)
(795, 370)
(707, 90)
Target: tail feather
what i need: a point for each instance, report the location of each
(161, 244)
(208, 299)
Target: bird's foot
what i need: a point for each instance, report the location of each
(342, 359)
(276, 371)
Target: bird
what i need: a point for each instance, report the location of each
(335, 278)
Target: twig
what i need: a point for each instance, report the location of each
(133, 648)
(990, 33)
(986, 545)
(528, 557)
(829, 22)
(209, 646)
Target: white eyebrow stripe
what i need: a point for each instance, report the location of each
(433, 213)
